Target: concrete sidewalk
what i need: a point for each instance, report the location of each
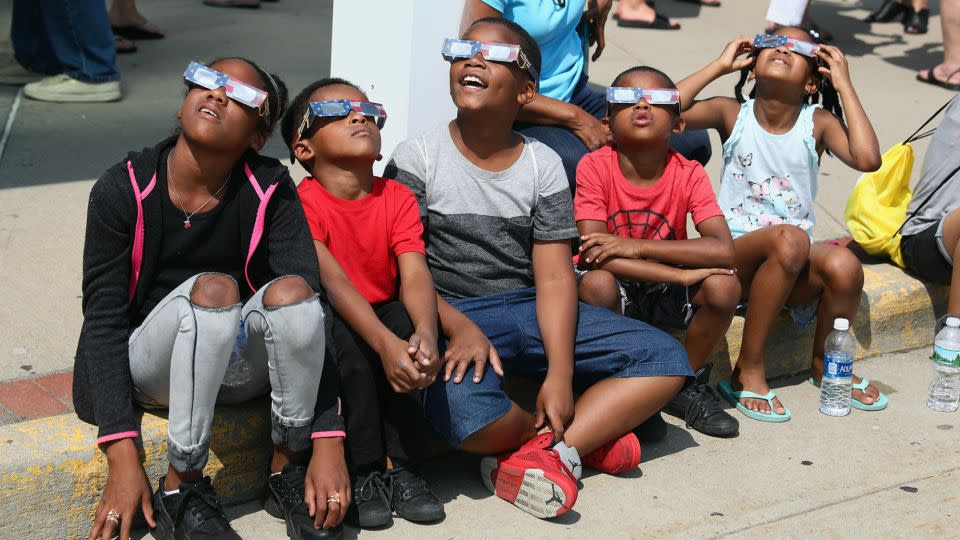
(888, 474)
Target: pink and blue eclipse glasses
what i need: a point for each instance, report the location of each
(496, 52)
(653, 96)
(772, 41)
(239, 91)
(374, 112)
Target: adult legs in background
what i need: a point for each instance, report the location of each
(128, 22)
(948, 71)
(74, 45)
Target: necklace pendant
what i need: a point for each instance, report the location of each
(186, 224)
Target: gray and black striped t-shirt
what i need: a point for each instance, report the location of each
(479, 226)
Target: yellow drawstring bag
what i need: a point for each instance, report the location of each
(877, 206)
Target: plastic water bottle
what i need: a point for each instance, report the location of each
(944, 392)
(837, 370)
(238, 370)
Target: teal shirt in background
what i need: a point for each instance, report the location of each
(555, 30)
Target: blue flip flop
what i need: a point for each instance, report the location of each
(734, 397)
(878, 405)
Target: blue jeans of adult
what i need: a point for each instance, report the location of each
(65, 36)
(694, 145)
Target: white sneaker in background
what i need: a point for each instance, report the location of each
(64, 89)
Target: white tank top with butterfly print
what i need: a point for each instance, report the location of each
(769, 179)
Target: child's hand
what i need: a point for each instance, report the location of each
(326, 479)
(598, 247)
(732, 58)
(399, 367)
(468, 346)
(836, 71)
(422, 349)
(555, 406)
(692, 276)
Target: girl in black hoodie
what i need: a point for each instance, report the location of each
(200, 286)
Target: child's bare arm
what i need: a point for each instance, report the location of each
(419, 298)
(359, 315)
(556, 302)
(615, 257)
(856, 145)
(718, 113)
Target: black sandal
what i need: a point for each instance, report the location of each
(659, 22)
(931, 78)
(916, 22)
(714, 3)
(890, 10)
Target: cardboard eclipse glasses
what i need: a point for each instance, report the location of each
(239, 91)
(495, 52)
(374, 112)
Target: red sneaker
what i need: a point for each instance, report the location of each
(532, 478)
(615, 457)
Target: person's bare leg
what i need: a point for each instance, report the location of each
(768, 263)
(600, 288)
(949, 69)
(835, 275)
(615, 406)
(637, 10)
(508, 432)
(716, 299)
(919, 5)
(951, 241)
(125, 13)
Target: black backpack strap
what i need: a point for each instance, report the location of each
(925, 201)
(927, 133)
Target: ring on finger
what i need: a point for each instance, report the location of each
(113, 515)
(334, 498)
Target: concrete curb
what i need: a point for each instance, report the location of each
(51, 463)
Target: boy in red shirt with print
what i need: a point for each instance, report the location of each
(631, 208)
(369, 242)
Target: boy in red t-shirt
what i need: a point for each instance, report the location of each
(631, 208)
(369, 242)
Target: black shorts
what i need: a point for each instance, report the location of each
(659, 304)
(923, 255)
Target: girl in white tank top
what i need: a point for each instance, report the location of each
(772, 147)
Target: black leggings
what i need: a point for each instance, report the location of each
(379, 421)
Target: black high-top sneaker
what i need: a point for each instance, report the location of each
(194, 513)
(410, 497)
(285, 500)
(699, 406)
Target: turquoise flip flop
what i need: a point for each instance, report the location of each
(878, 405)
(734, 397)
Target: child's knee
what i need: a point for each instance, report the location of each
(214, 291)
(285, 291)
(791, 248)
(842, 272)
(721, 293)
(600, 288)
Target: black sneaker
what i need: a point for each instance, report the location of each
(285, 495)
(699, 406)
(370, 508)
(410, 497)
(192, 514)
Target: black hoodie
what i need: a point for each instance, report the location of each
(119, 260)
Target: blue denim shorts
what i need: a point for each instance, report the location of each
(607, 346)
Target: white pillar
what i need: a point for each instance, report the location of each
(391, 49)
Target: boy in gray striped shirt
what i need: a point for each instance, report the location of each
(499, 248)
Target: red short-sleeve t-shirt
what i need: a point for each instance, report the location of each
(366, 235)
(658, 212)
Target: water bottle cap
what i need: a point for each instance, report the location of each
(953, 322)
(842, 324)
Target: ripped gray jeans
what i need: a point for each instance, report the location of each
(179, 355)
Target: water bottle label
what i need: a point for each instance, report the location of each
(945, 357)
(837, 365)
